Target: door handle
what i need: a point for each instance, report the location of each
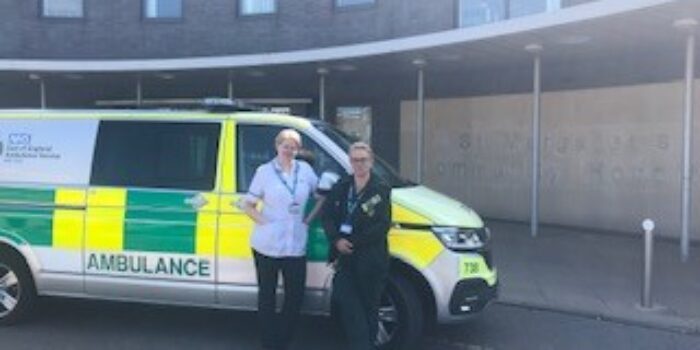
(197, 201)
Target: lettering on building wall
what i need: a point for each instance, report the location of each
(596, 157)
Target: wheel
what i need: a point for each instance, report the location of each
(400, 316)
(17, 292)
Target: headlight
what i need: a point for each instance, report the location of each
(456, 238)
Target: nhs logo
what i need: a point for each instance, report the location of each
(20, 139)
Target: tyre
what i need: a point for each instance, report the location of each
(17, 291)
(400, 316)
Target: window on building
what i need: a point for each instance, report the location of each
(345, 3)
(519, 8)
(256, 146)
(476, 12)
(257, 7)
(156, 155)
(567, 3)
(62, 8)
(162, 8)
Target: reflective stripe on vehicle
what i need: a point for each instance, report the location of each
(68, 218)
(417, 247)
(105, 219)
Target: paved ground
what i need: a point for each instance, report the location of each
(508, 327)
(596, 274)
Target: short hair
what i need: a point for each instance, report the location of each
(288, 134)
(361, 146)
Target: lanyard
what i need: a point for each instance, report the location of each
(292, 189)
(353, 200)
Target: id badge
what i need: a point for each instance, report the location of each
(346, 229)
(295, 209)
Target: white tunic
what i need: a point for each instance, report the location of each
(283, 233)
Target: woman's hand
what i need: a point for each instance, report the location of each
(251, 210)
(343, 246)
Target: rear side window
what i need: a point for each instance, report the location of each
(156, 155)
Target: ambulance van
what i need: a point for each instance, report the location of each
(142, 206)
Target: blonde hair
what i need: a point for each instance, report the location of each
(288, 134)
(361, 146)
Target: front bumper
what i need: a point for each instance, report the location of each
(464, 283)
(471, 296)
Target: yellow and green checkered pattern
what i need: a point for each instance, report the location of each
(110, 219)
(118, 219)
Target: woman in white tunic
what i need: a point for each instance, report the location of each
(283, 185)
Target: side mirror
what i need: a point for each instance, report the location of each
(328, 179)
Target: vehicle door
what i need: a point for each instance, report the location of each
(152, 211)
(254, 145)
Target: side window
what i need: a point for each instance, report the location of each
(322, 160)
(256, 145)
(156, 155)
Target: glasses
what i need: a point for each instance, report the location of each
(363, 160)
(289, 147)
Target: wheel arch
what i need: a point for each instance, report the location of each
(20, 249)
(423, 287)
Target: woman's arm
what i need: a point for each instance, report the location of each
(316, 209)
(251, 209)
(256, 192)
(329, 215)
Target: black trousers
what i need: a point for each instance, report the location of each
(357, 291)
(277, 330)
